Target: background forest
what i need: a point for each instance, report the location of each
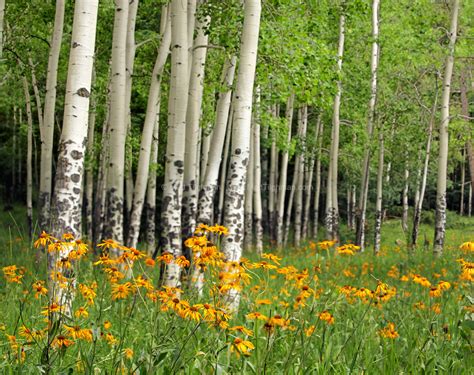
(198, 131)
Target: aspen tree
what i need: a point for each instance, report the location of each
(29, 154)
(364, 187)
(284, 172)
(175, 145)
(332, 205)
(240, 149)
(215, 156)
(118, 126)
(70, 167)
(47, 132)
(150, 127)
(440, 221)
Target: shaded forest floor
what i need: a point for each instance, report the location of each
(316, 309)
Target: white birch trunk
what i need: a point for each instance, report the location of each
(118, 125)
(272, 181)
(378, 202)
(193, 116)
(440, 223)
(300, 179)
(89, 185)
(209, 184)
(317, 182)
(257, 179)
(280, 209)
(29, 154)
(405, 197)
(248, 205)
(332, 205)
(240, 150)
(364, 187)
(149, 135)
(67, 211)
(307, 196)
(47, 133)
(175, 147)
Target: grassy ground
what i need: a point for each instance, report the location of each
(315, 310)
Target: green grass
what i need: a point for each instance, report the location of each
(435, 339)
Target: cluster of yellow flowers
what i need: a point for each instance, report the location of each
(382, 293)
(14, 274)
(389, 332)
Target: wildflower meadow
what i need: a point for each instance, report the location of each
(322, 308)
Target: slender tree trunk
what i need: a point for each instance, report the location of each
(272, 181)
(364, 187)
(248, 205)
(205, 142)
(29, 154)
(2, 17)
(209, 183)
(89, 186)
(317, 183)
(193, 115)
(419, 206)
(405, 196)
(378, 202)
(118, 126)
(240, 150)
(465, 113)
(129, 65)
(224, 167)
(175, 147)
(280, 209)
(149, 135)
(469, 208)
(332, 205)
(70, 168)
(291, 198)
(39, 106)
(300, 179)
(440, 223)
(257, 187)
(47, 133)
(307, 196)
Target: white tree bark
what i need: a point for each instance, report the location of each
(209, 185)
(284, 172)
(47, 133)
(193, 116)
(175, 147)
(67, 211)
(89, 185)
(118, 125)
(405, 196)
(272, 178)
(248, 205)
(364, 187)
(317, 182)
(257, 178)
(240, 150)
(149, 135)
(129, 64)
(440, 223)
(300, 179)
(29, 153)
(332, 205)
(378, 202)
